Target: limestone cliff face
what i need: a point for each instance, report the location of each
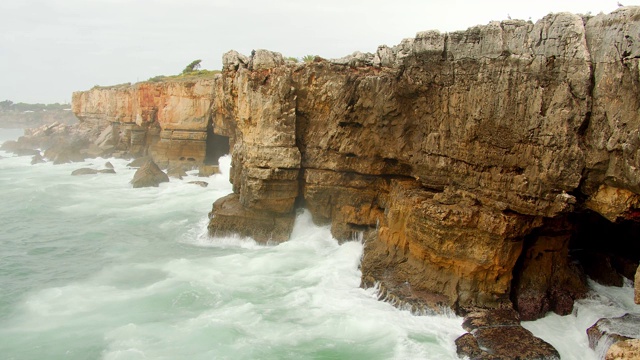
(465, 157)
(167, 119)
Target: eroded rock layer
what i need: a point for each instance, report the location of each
(461, 155)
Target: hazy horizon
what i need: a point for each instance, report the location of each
(50, 48)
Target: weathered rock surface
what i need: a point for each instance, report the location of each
(199, 183)
(624, 350)
(84, 171)
(608, 331)
(497, 334)
(468, 158)
(37, 159)
(148, 175)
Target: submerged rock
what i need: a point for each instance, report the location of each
(84, 171)
(176, 171)
(149, 174)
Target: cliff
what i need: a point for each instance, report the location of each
(477, 163)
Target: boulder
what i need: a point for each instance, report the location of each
(107, 171)
(148, 175)
(497, 334)
(84, 171)
(108, 165)
(65, 152)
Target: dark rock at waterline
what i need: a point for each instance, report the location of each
(89, 171)
(504, 342)
(37, 159)
(497, 334)
(84, 171)
(149, 174)
(200, 183)
(108, 165)
(139, 162)
(608, 331)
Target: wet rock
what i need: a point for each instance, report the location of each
(497, 334)
(107, 171)
(64, 152)
(176, 171)
(84, 171)
(37, 159)
(108, 165)
(608, 331)
(139, 162)
(624, 350)
(229, 217)
(199, 183)
(149, 174)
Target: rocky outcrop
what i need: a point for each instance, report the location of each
(497, 334)
(471, 160)
(149, 174)
(606, 332)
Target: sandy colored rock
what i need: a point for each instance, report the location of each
(624, 350)
(637, 286)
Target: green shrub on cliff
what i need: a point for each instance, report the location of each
(308, 58)
(193, 66)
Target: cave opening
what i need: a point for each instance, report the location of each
(217, 146)
(606, 251)
(558, 257)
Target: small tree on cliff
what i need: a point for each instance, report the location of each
(193, 66)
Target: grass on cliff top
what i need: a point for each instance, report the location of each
(193, 75)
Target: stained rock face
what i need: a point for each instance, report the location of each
(608, 331)
(463, 156)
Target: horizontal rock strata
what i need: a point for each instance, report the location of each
(469, 159)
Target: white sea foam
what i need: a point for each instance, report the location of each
(92, 268)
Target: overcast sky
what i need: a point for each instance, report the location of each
(50, 48)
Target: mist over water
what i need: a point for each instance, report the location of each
(91, 268)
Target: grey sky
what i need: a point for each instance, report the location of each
(50, 48)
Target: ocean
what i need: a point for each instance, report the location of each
(91, 268)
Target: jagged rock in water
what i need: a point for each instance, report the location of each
(37, 159)
(149, 174)
(108, 165)
(199, 183)
(107, 171)
(65, 152)
(608, 331)
(624, 350)
(84, 171)
(139, 162)
(497, 334)
(262, 226)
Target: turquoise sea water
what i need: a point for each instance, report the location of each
(91, 268)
